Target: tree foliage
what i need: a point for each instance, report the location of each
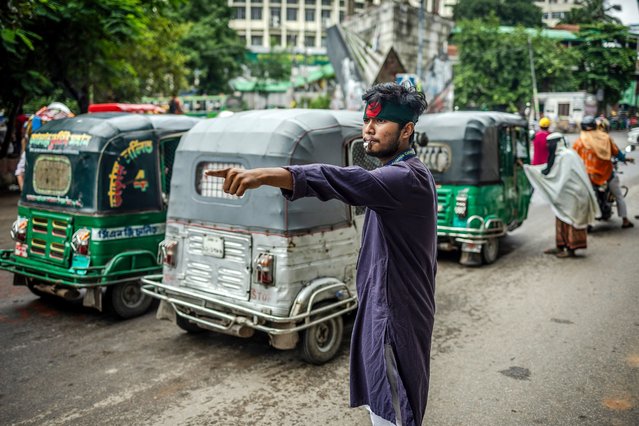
(508, 12)
(494, 67)
(112, 50)
(214, 51)
(607, 60)
(589, 12)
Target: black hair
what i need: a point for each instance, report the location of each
(400, 94)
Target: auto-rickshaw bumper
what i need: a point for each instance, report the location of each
(220, 315)
(478, 234)
(79, 277)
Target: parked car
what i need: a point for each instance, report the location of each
(259, 262)
(93, 208)
(476, 159)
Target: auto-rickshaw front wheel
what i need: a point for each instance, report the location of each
(490, 250)
(321, 342)
(127, 299)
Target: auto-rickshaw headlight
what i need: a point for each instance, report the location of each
(265, 267)
(19, 229)
(80, 241)
(461, 204)
(167, 253)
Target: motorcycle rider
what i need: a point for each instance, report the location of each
(596, 149)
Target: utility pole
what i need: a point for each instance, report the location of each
(420, 39)
(534, 81)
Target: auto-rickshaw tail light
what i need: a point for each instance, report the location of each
(80, 241)
(461, 204)
(265, 267)
(19, 229)
(167, 253)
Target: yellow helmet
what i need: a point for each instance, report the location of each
(544, 123)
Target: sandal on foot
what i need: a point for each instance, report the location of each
(628, 225)
(565, 254)
(553, 251)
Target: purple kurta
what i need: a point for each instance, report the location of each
(395, 279)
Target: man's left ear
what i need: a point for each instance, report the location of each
(407, 130)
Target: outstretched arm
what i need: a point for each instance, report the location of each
(237, 181)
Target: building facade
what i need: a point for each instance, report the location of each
(301, 25)
(553, 11)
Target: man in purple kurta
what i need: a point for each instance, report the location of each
(390, 345)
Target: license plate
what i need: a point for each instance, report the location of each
(80, 263)
(213, 246)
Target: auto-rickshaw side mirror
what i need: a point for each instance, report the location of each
(630, 148)
(421, 138)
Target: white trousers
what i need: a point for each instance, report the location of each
(615, 188)
(377, 420)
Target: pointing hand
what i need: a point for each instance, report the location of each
(237, 181)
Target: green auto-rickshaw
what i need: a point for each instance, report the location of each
(477, 161)
(93, 207)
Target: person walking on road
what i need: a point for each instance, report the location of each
(564, 183)
(597, 149)
(540, 150)
(391, 340)
(175, 105)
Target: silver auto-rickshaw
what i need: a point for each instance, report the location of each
(259, 262)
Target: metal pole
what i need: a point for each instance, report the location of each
(420, 39)
(534, 81)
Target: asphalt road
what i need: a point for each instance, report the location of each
(529, 340)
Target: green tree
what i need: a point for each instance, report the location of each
(20, 71)
(607, 60)
(214, 51)
(508, 12)
(108, 50)
(589, 12)
(494, 69)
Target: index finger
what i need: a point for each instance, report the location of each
(216, 173)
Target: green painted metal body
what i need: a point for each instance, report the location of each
(49, 256)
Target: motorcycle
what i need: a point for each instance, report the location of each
(605, 198)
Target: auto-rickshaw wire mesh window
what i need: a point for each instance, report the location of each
(358, 157)
(436, 156)
(52, 175)
(212, 187)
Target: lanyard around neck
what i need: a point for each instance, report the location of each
(409, 153)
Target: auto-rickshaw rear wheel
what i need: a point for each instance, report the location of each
(127, 299)
(490, 250)
(321, 342)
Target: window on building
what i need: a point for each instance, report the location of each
(563, 110)
(256, 13)
(291, 40)
(323, 41)
(309, 40)
(341, 15)
(240, 13)
(257, 40)
(309, 15)
(544, 16)
(291, 1)
(557, 15)
(291, 14)
(276, 14)
(309, 2)
(326, 14)
(326, 2)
